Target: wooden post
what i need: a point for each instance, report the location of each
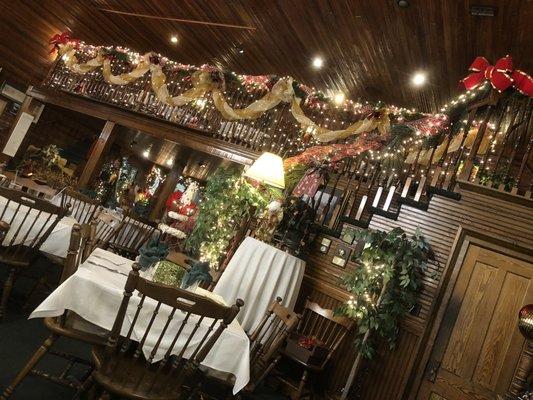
(98, 151)
(25, 108)
(166, 190)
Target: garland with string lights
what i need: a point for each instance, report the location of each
(227, 201)
(384, 285)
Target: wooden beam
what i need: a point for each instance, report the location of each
(24, 108)
(188, 137)
(97, 152)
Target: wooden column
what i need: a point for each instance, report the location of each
(167, 189)
(24, 108)
(96, 157)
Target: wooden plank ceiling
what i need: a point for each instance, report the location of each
(370, 48)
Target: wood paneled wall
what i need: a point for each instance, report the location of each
(387, 376)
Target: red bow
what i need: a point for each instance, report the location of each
(500, 75)
(58, 39)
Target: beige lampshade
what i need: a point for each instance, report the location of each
(268, 169)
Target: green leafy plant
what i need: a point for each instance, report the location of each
(228, 200)
(384, 284)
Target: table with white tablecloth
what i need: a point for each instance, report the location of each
(56, 244)
(95, 292)
(258, 273)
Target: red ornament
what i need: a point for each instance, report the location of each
(59, 39)
(500, 75)
(173, 201)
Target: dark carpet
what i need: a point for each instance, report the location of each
(20, 338)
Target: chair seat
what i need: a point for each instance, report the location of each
(301, 362)
(134, 380)
(75, 327)
(17, 256)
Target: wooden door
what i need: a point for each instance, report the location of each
(478, 345)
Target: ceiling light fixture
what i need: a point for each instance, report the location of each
(419, 79)
(170, 161)
(318, 62)
(339, 98)
(174, 39)
(240, 51)
(146, 153)
(403, 3)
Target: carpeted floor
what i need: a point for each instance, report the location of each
(20, 337)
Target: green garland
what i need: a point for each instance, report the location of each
(228, 200)
(390, 266)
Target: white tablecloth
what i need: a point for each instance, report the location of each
(258, 273)
(95, 291)
(58, 241)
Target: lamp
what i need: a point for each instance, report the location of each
(267, 169)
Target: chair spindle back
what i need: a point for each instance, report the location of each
(325, 326)
(82, 207)
(133, 233)
(31, 221)
(193, 325)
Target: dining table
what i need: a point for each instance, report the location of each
(95, 292)
(258, 273)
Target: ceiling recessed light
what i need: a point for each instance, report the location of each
(318, 62)
(170, 161)
(174, 39)
(419, 79)
(240, 51)
(339, 98)
(146, 153)
(403, 3)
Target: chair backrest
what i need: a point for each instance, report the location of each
(133, 233)
(268, 337)
(81, 239)
(183, 316)
(324, 325)
(31, 221)
(82, 207)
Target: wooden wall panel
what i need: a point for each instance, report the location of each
(387, 376)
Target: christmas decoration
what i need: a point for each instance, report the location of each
(384, 284)
(209, 79)
(47, 166)
(227, 201)
(500, 75)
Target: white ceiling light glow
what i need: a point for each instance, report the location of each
(339, 98)
(174, 39)
(419, 79)
(318, 62)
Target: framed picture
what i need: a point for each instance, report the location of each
(341, 256)
(325, 243)
(348, 234)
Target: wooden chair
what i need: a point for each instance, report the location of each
(82, 207)
(121, 367)
(266, 341)
(36, 220)
(323, 325)
(68, 325)
(130, 236)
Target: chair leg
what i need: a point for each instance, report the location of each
(301, 386)
(41, 351)
(42, 282)
(85, 386)
(8, 285)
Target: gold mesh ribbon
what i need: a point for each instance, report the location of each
(202, 84)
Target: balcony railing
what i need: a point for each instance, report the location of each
(489, 142)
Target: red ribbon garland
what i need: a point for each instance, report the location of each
(500, 75)
(59, 39)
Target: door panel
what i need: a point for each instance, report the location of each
(478, 345)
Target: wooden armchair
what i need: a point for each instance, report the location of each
(322, 325)
(82, 207)
(121, 365)
(68, 325)
(130, 236)
(31, 220)
(265, 343)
